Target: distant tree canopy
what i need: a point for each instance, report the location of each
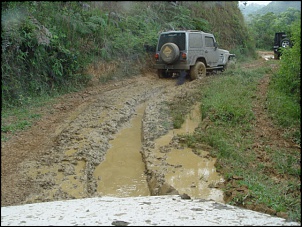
(264, 27)
(278, 7)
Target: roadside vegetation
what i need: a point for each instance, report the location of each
(47, 48)
(263, 27)
(267, 175)
(284, 96)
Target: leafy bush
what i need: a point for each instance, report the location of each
(284, 94)
(34, 59)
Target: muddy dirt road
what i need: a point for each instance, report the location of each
(102, 141)
(113, 140)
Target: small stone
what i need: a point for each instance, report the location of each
(185, 196)
(120, 223)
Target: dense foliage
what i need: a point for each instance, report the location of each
(279, 7)
(249, 9)
(285, 90)
(264, 27)
(47, 46)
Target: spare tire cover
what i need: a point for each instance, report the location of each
(169, 53)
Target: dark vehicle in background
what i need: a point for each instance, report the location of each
(280, 41)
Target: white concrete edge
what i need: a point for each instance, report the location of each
(132, 211)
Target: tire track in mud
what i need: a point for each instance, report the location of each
(167, 161)
(66, 171)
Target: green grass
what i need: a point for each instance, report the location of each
(180, 107)
(22, 117)
(233, 104)
(286, 112)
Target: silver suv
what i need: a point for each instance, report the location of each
(193, 52)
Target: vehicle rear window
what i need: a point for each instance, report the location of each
(177, 38)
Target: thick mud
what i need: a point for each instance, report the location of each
(117, 141)
(122, 173)
(181, 170)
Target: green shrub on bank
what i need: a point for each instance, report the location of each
(284, 95)
(35, 59)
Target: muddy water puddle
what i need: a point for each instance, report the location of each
(122, 174)
(193, 175)
(187, 172)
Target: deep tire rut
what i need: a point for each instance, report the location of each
(85, 141)
(61, 163)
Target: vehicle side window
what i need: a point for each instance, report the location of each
(195, 41)
(209, 41)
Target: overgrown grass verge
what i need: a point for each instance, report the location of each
(180, 107)
(258, 175)
(18, 118)
(286, 112)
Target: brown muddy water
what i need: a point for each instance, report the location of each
(121, 174)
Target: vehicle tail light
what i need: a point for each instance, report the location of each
(156, 56)
(184, 56)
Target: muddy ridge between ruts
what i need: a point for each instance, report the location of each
(78, 141)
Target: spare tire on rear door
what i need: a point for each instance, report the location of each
(169, 53)
(285, 43)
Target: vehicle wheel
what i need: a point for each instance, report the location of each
(285, 43)
(169, 53)
(198, 71)
(231, 64)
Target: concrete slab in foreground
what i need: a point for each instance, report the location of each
(139, 211)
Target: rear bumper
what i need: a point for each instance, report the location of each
(276, 49)
(174, 67)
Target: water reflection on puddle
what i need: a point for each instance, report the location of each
(193, 175)
(187, 172)
(121, 174)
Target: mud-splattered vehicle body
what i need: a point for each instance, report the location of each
(191, 51)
